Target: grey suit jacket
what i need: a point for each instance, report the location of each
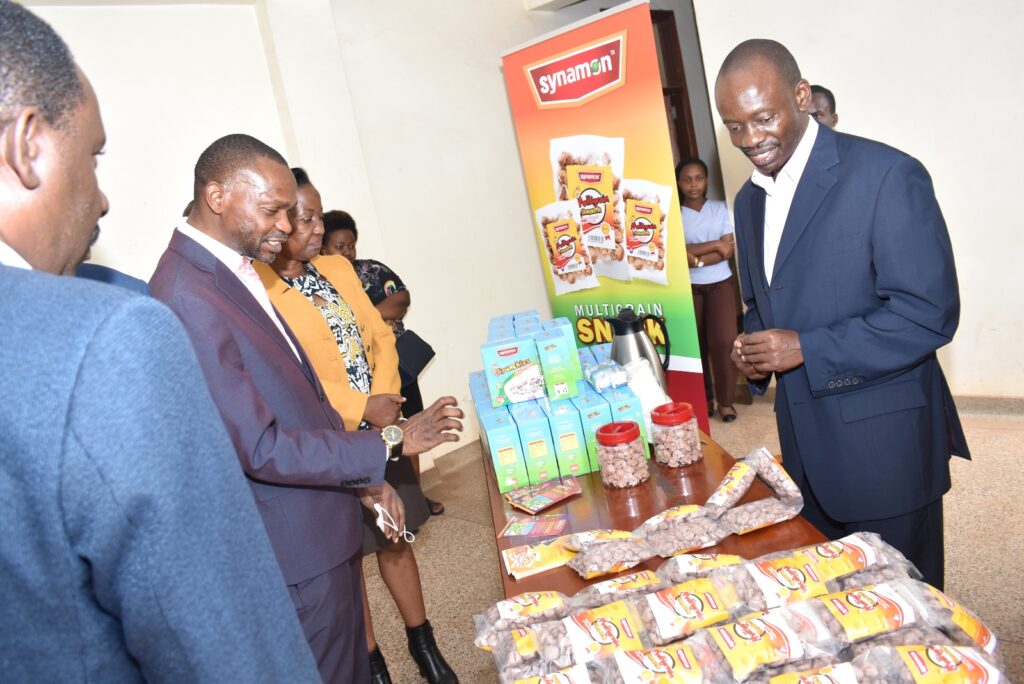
(131, 548)
(292, 446)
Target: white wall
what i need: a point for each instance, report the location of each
(939, 80)
(170, 79)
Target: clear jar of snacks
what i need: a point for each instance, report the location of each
(675, 436)
(620, 450)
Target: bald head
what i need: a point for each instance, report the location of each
(762, 53)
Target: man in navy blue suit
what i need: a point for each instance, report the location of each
(131, 547)
(850, 288)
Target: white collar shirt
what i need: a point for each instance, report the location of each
(8, 257)
(780, 192)
(239, 265)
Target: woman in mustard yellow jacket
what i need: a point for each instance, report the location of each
(352, 351)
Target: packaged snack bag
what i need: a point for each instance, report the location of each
(518, 611)
(678, 611)
(775, 476)
(672, 664)
(681, 529)
(731, 489)
(577, 674)
(646, 212)
(610, 557)
(581, 541)
(758, 514)
(962, 625)
(924, 664)
(570, 263)
(588, 169)
(616, 589)
(590, 635)
(689, 566)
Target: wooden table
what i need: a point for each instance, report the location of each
(598, 507)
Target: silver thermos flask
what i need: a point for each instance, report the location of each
(631, 342)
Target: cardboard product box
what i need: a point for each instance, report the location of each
(586, 359)
(594, 412)
(535, 436)
(528, 329)
(568, 437)
(500, 333)
(558, 362)
(626, 407)
(481, 395)
(502, 439)
(529, 313)
(567, 329)
(513, 371)
(602, 352)
(504, 319)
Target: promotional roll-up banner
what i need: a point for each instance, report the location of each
(593, 136)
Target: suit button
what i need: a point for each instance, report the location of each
(847, 382)
(856, 381)
(831, 384)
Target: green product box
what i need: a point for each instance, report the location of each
(626, 407)
(513, 371)
(567, 436)
(535, 436)
(558, 362)
(594, 412)
(502, 438)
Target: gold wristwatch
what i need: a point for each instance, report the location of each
(392, 436)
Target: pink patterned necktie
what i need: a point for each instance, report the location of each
(247, 274)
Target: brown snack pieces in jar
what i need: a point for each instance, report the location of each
(620, 450)
(675, 435)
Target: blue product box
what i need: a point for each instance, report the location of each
(602, 352)
(502, 438)
(568, 437)
(594, 412)
(535, 436)
(504, 319)
(528, 329)
(558, 362)
(500, 333)
(586, 359)
(529, 313)
(626, 407)
(567, 329)
(481, 395)
(513, 371)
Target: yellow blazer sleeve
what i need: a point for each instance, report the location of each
(378, 337)
(319, 343)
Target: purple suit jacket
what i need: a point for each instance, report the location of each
(300, 463)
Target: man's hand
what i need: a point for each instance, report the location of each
(432, 426)
(748, 370)
(387, 497)
(383, 409)
(768, 351)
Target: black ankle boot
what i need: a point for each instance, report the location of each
(423, 650)
(378, 668)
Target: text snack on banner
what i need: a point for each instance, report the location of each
(589, 114)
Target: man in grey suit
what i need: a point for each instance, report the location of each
(305, 471)
(131, 549)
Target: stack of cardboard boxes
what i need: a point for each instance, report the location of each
(538, 416)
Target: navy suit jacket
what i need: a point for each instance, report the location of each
(292, 446)
(865, 275)
(131, 548)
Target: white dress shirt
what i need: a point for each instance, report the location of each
(236, 263)
(8, 257)
(780, 191)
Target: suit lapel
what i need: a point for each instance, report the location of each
(815, 183)
(233, 289)
(755, 254)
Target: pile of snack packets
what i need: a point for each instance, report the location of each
(845, 611)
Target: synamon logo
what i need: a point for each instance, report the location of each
(578, 76)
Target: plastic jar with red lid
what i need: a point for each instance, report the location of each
(675, 436)
(620, 450)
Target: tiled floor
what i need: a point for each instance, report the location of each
(984, 540)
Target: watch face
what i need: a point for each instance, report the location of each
(391, 435)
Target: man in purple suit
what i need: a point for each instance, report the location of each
(303, 468)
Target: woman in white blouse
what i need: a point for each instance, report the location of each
(709, 246)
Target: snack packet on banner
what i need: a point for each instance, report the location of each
(672, 664)
(588, 169)
(646, 212)
(731, 489)
(775, 476)
(519, 611)
(610, 557)
(758, 514)
(678, 611)
(616, 589)
(590, 635)
(687, 566)
(568, 260)
(924, 664)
